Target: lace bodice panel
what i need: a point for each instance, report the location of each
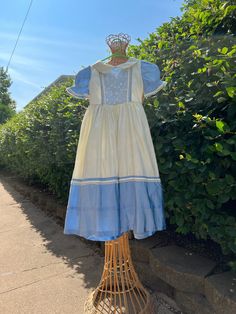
(116, 86)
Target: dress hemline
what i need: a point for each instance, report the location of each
(114, 237)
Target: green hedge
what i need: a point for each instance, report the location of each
(192, 122)
(40, 142)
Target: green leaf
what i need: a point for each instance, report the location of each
(218, 94)
(188, 99)
(160, 44)
(213, 188)
(224, 50)
(181, 104)
(210, 204)
(232, 52)
(188, 156)
(223, 198)
(209, 84)
(229, 9)
(156, 103)
(221, 99)
(231, 91)
(218, 147)
(220, 125)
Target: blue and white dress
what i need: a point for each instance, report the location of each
(115, 185)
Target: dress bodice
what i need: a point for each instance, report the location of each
(106, 84)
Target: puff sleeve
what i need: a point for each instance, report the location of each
(151, 78)
(80, 89)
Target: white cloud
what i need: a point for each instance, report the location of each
(46, 41)
(16, 75)
(20, 60)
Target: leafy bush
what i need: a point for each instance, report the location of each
(40, 142)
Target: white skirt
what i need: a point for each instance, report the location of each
(115, 185)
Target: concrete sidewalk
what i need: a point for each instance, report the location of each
(41, 269)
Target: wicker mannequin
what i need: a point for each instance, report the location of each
(120, 290)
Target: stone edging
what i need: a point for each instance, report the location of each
(185, 277)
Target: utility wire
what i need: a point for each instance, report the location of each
(18, 37)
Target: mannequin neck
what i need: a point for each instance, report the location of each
(116, 60)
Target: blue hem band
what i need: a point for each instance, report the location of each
(103, 212)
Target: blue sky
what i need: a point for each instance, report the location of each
(59, 37)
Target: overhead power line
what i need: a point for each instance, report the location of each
(18, 37)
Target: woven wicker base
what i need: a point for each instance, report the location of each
(120, 290)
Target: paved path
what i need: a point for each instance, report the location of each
(41, 269)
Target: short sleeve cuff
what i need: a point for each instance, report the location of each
(73, 91)
(80, 89)
(161, 85)
(151, 78)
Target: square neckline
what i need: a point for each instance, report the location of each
(105, 67)
(115, 66)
